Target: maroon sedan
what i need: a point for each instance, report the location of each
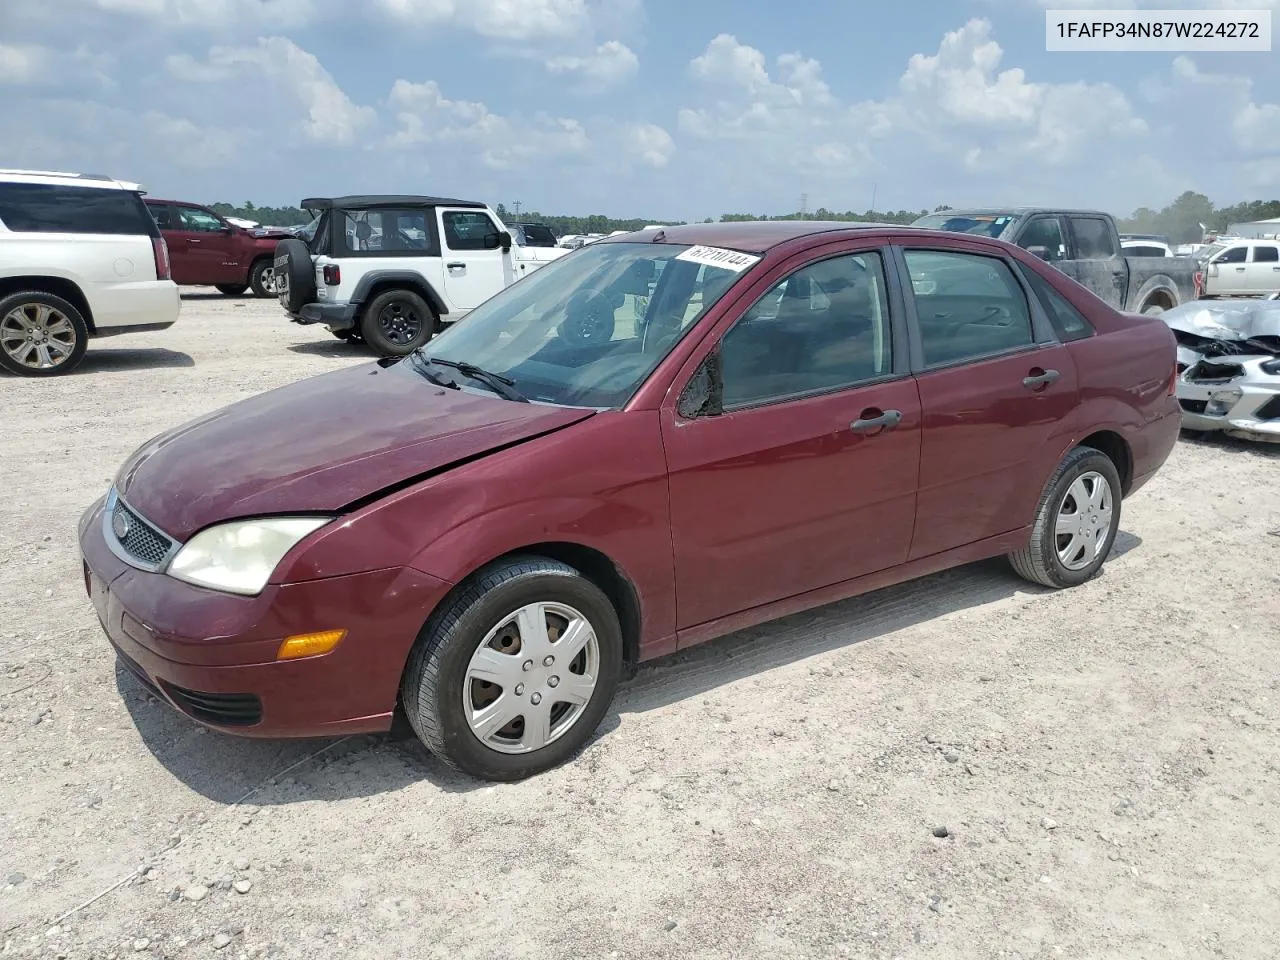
(663, 437)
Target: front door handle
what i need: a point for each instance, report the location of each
(192, 240)
(456, 266)
(874, 420)
(1239, 269)
(1040, 378)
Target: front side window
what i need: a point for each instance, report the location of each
(1234, 255)
(50, 208)
(1094, 240)
(469, 230)
(968, 306)
(822, 328)
(386, 231)
(163, 215)
(1045, 233)
(199, 221)
(587, 329)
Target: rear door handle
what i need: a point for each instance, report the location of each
(192, 240)
(874, 420)
(1041, 379)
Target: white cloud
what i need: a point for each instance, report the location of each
(331, 116)
(269, 14)
(1231, 124)
(651, 143)
(41, 66)
(515, 20)
(610, 64)
(20, 63)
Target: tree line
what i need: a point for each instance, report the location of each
(1180, 221)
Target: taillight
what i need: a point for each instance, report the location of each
(1199, 284)
(160, 250)
(332, 275)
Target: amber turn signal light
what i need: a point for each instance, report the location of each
(309, 644)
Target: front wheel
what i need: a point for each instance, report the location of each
(262, 278)
(516, 674)
(41, 335)
(1076, 522)
(397, 322)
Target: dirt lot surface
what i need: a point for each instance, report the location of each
(1103, 762)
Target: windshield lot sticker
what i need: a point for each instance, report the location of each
(719, 257)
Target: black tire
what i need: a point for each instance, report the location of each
(21, 312)
(397, 322)
(1039, 561)
(294, 268)
(437, 671)
(231, 289)
(262, 277)
(590, 320)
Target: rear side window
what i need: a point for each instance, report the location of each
(1266, 254)
(1093, 238)
(536, 235)
(386, 232)
(49, 208)
(968, 306)
(163, 214)
(1068, 322)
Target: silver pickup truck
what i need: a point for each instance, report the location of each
(1085, 245)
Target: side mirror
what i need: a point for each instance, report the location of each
(704, 394)
(492, 241)
(1041, 252)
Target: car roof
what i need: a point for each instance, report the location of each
(751, 236)
(1013, 211)
(385, 200)
(61, 178)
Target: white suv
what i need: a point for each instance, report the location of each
(390, 270)
(80, 257)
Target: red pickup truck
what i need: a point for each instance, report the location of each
(206, 250)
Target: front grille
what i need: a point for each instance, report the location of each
(219, 709)
(1194, 406)
(141, 541)
(1271, 409)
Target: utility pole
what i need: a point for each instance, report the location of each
(873, 197)
(804, 204)
(516, 204)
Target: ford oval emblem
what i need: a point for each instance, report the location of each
(120, 524)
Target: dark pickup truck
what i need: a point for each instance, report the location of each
(1085, 245)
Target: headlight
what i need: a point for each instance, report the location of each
(239, 557)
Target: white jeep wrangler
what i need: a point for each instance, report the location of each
(390, 270)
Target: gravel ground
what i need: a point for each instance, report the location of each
(962, 767)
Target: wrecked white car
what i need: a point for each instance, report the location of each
(1229, 366)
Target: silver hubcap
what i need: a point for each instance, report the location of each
(1084, 521)
(269, 278)
(531, 678)
(37, 335)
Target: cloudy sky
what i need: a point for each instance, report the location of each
(655, 108)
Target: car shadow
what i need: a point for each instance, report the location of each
(225, 768)
(215, 295)
(118, 360)
(1233, 445)
(335, 348)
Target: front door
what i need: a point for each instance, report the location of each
(202, 249)
(807, 478)
(995, 390)
(475, 265)
(1227, 272)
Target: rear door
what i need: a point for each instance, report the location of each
(996, 389)
(1263, 273)
(204, 247)
(807, 478)
(1095, 262)
(475, 265)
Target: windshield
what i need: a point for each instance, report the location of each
(987, 225)
(587, 329)
(1204, 254)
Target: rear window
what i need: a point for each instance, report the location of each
(537, 235)
(50, 208)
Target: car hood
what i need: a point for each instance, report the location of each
(321, 444)
(541, 254)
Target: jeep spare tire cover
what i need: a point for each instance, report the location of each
(295, 275)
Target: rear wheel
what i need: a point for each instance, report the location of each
(262, 278)
(1076, 522)
(41, 335)
(231, 289)
(516, 674)
(397, 322)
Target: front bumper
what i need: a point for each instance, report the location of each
(212, 656)
(1239, 399)
(336, 316)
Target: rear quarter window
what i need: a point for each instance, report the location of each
(1068, 322)
(51, 208)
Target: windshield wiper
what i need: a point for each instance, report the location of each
(502, 386)
(419, 364)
